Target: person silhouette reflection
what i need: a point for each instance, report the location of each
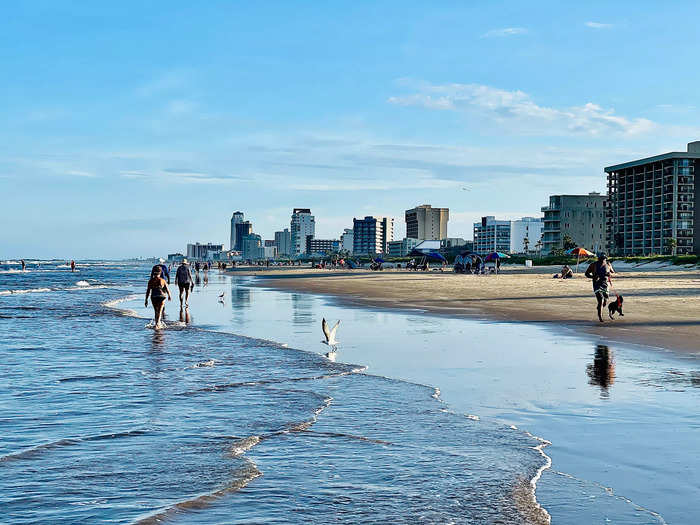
(602, 371)
(185, 315)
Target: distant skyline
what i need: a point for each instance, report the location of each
(132, 130)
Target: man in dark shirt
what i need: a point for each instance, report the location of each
(183, 278)
(600, 271)
(164, 272)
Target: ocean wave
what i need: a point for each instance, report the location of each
(242, 477)
(26, 290)
(241, 446)
(30, 452)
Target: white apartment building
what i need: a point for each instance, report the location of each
(301, 226)
(346, 240)
(529, 228)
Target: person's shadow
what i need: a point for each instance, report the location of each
(602, 372)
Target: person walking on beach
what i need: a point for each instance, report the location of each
(158, 290)
(183, 278)
(164, 272)
(600, 271)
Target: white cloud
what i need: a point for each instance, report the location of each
(598, 25)
(518, 112)
(78, 173)
(505, 31)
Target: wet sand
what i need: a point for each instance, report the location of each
(661, 305)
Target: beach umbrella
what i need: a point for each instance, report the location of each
(496, 255)
(430, 254)
(435, 255)
(579, 252)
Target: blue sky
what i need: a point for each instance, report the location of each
(131, 129)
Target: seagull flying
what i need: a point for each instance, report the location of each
(329, 333)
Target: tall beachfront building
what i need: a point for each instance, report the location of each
(491, 235)
(283, 242)
(427, 223)
(529, 228)
(301, 226)
(372, 235)
(242, 229)
(651, 204)
(580, 217)
(346, 240)
(236, 219)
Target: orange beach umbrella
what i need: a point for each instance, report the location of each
(579, 252)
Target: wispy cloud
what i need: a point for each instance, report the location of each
(598, 25)
(505, 31)
(166, 81)
(79, 173)
(519, 113)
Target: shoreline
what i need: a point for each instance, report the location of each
(662, 306)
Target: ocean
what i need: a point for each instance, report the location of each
(106, 421)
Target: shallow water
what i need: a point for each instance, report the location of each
(104, 420)
(622, 419)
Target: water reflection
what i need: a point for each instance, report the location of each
(240, 296)
(157, 340)
(302, 309)
(602, 371)
(185, 316)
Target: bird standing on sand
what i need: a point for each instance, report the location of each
(329, 333)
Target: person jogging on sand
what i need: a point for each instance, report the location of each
(600, 271)
(183, 278)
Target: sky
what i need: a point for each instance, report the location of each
(133, 128)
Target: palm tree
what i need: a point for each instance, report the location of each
(672, 244)
(526, 242)
(568, 242)
(538, 247)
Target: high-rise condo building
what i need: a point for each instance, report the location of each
(427, 223)
(252, 247)
(579, 217)
(236, 219)
(346, 240)
(372, 235)
(241, 230)
(322, 246)
(203, 251)
(283, 242)
(529, 228)
(301, 226)
(651, 204)
(491, 235)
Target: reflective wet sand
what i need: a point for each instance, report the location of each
(622, 419)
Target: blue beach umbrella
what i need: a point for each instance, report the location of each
(496, 255)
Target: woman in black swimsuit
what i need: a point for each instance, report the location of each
(158, 290)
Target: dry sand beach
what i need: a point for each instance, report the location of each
(661, 304)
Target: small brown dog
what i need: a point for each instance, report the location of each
(615, 306)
